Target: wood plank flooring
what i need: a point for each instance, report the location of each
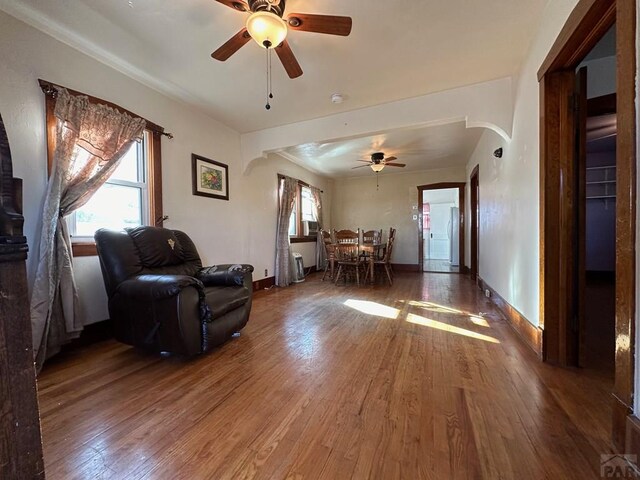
(423, 380)
(439, 266)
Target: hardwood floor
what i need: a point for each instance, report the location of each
(439, 266)
(407, 382)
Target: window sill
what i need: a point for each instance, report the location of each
(308, 239)
(84, 249)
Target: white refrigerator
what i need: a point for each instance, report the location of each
(454, 237)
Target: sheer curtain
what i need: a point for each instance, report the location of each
(321, 254)
(284, 262)
(90, 140)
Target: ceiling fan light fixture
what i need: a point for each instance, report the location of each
(267, 29)
(377, 167)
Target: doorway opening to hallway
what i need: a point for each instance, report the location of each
(441, 243)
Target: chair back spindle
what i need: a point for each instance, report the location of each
(372, 236)
(349, 244)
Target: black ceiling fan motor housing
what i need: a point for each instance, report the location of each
(377, 157)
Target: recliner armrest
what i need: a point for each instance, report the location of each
(224, 275)
(157, 286)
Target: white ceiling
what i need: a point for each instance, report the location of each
(422, 148)
(397, 49)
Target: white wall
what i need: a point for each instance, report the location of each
(357, 204)
(240, 230)
(509, 187)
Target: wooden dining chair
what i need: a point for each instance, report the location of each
(329, 249)
(347, 243)
(392, 236)
(370, 237)
(385, 261)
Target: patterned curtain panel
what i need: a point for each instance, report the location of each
(284, 262)
(321, 254)
(90, 140)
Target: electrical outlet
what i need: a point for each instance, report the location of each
(487, 293)
(266, 272)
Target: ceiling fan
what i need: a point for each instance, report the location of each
(266, 26)
(378, 162)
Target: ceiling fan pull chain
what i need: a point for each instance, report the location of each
(270, 75)
(268, 106)
(377, 183)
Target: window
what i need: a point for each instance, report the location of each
(122, 202)
(133, 194)
(303, 211)
(293, 221)
(306, 204)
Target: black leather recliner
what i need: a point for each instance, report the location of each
(160, 297)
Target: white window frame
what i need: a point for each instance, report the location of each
(144, 160)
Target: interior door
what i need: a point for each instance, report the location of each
(439, 241)
(475, 222)
(426, 231)
(578, 323)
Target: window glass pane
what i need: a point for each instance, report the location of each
(112, 206)
(128, 168)
(307, 204)
(79, 159)
(292, 223)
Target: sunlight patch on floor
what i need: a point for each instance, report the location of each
(373, 308)
(434, 307)
(427, 322)
(478, 320)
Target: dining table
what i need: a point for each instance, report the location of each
(372, 248)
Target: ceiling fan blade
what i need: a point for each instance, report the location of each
(395, 164)
(389, 159)
(234, 44)
(331, 24)
(365, 161)
(235, 4)
(288, 60)
(359, 166)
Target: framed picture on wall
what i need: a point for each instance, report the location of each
(210, 178)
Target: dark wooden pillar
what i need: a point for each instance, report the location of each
(626, 350)
(20, 441)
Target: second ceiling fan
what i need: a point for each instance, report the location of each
(378, 162)
(266, 26)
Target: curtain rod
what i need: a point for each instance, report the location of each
(51, 89)
(305, 184)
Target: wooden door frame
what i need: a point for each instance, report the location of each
(589, 21)
(441, 186)
(474, 194)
